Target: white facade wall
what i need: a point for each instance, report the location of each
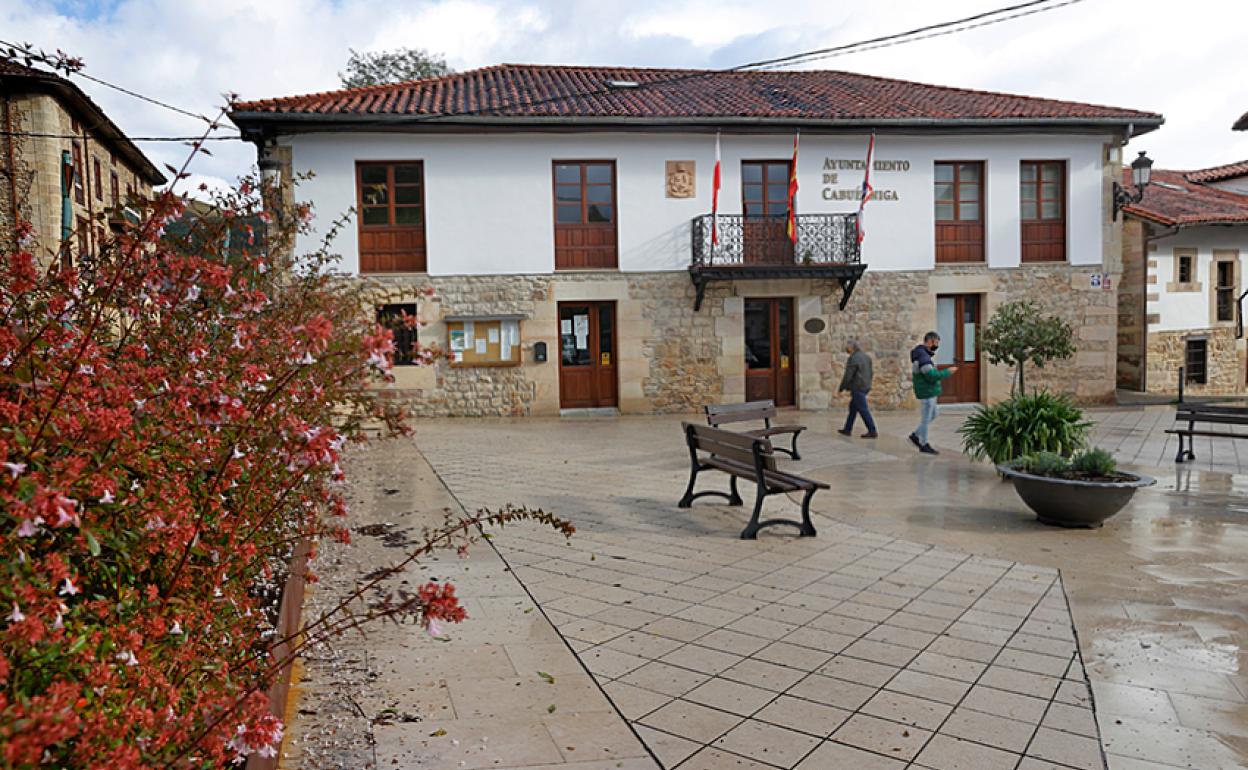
(489, 200)
(1190, 310)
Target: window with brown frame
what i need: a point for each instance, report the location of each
(80, 194)
(99, 179)
(1224, 290)
(1186, 267)
(585, 215)
(114, 188)
(1196, 361)
(84, 238)
(1042, 196)
(959, 194)
(391, 201)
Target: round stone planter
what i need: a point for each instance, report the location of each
(1073, 503)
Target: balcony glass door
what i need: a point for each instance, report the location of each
(765, 203)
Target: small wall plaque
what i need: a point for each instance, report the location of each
(681, 179)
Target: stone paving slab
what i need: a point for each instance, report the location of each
(852, 649)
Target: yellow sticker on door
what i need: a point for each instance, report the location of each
(784, 362)
(606, 359)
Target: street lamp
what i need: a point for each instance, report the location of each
(1141, 174)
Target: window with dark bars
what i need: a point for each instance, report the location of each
(1196, 361)
(1225, 291)
(392, 318)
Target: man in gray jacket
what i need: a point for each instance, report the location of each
(857, 381)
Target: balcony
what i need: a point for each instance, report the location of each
(759, 248)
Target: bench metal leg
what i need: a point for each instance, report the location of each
(1185, 454)
(732, 497)
(808, 529)
(794, 454)
(751, 530)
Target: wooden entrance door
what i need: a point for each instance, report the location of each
(765, 203)
(770, 365)
(957, 323)
(587, 360)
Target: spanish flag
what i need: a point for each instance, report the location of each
(793, 193)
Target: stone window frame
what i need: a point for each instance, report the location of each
(1219, 256)
(1176, 286)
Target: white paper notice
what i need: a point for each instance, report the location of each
(480, 346)
(565, 326)
(510, 332)
(582, 331)
(468, 337)
(493, 335)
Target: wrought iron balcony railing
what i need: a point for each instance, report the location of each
(822, 240)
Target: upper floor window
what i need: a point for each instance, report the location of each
(959, 196)
(1187, 267)
(1225, 287)
(1042, 196)
(585, 214)
(80, 194)
(99, 179)
(391, 201)
(114, 188)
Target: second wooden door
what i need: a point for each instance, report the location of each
(770, 364)
(587, 363)
(957, 323)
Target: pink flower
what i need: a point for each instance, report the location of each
(15, 469)
(29, 527)
(16, 615)
(68, 589)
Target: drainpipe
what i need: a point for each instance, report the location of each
(67, 209)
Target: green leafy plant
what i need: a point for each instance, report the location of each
(1019, 334)
(1043, 464)
(1094, 462)
(1024, 425)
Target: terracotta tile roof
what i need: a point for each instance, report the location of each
(516, 92)
(1173, 200)
(1218, 173)
(19, 78)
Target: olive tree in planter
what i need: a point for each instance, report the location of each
(1019, 334)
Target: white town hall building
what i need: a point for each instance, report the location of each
(561, 216)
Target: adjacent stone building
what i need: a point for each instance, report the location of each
(46, 123)
(562, 219)
(1185, 249)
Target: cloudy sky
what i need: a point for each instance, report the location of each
(1187, 60)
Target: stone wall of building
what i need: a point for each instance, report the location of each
(673, 359)
(1132, 301)
(1225, 361)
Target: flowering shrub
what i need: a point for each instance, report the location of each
(173, 411)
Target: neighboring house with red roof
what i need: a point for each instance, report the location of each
(43, 117)
(564, 213)
(1185, 249)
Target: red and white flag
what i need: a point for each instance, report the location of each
(715, 182)
(793, 192)
(867, 189)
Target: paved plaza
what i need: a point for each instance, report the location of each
(931, 624)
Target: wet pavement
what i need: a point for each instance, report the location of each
(926, 625)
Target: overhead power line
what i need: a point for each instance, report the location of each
(42, 135)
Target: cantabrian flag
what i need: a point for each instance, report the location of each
(715, 183)
(867, 189)
(793, 193)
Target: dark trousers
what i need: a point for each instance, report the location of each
(858, 406)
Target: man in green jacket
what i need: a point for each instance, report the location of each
(926, 378)
(857, 381)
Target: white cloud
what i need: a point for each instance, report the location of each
(1184, 60)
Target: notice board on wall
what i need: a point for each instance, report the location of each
(483, 341)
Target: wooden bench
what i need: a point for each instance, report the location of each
(1207, 414)
(745, 457)
(720, 414)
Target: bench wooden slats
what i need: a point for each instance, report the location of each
(746, 457)
(750, 411)
(1206, 414)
